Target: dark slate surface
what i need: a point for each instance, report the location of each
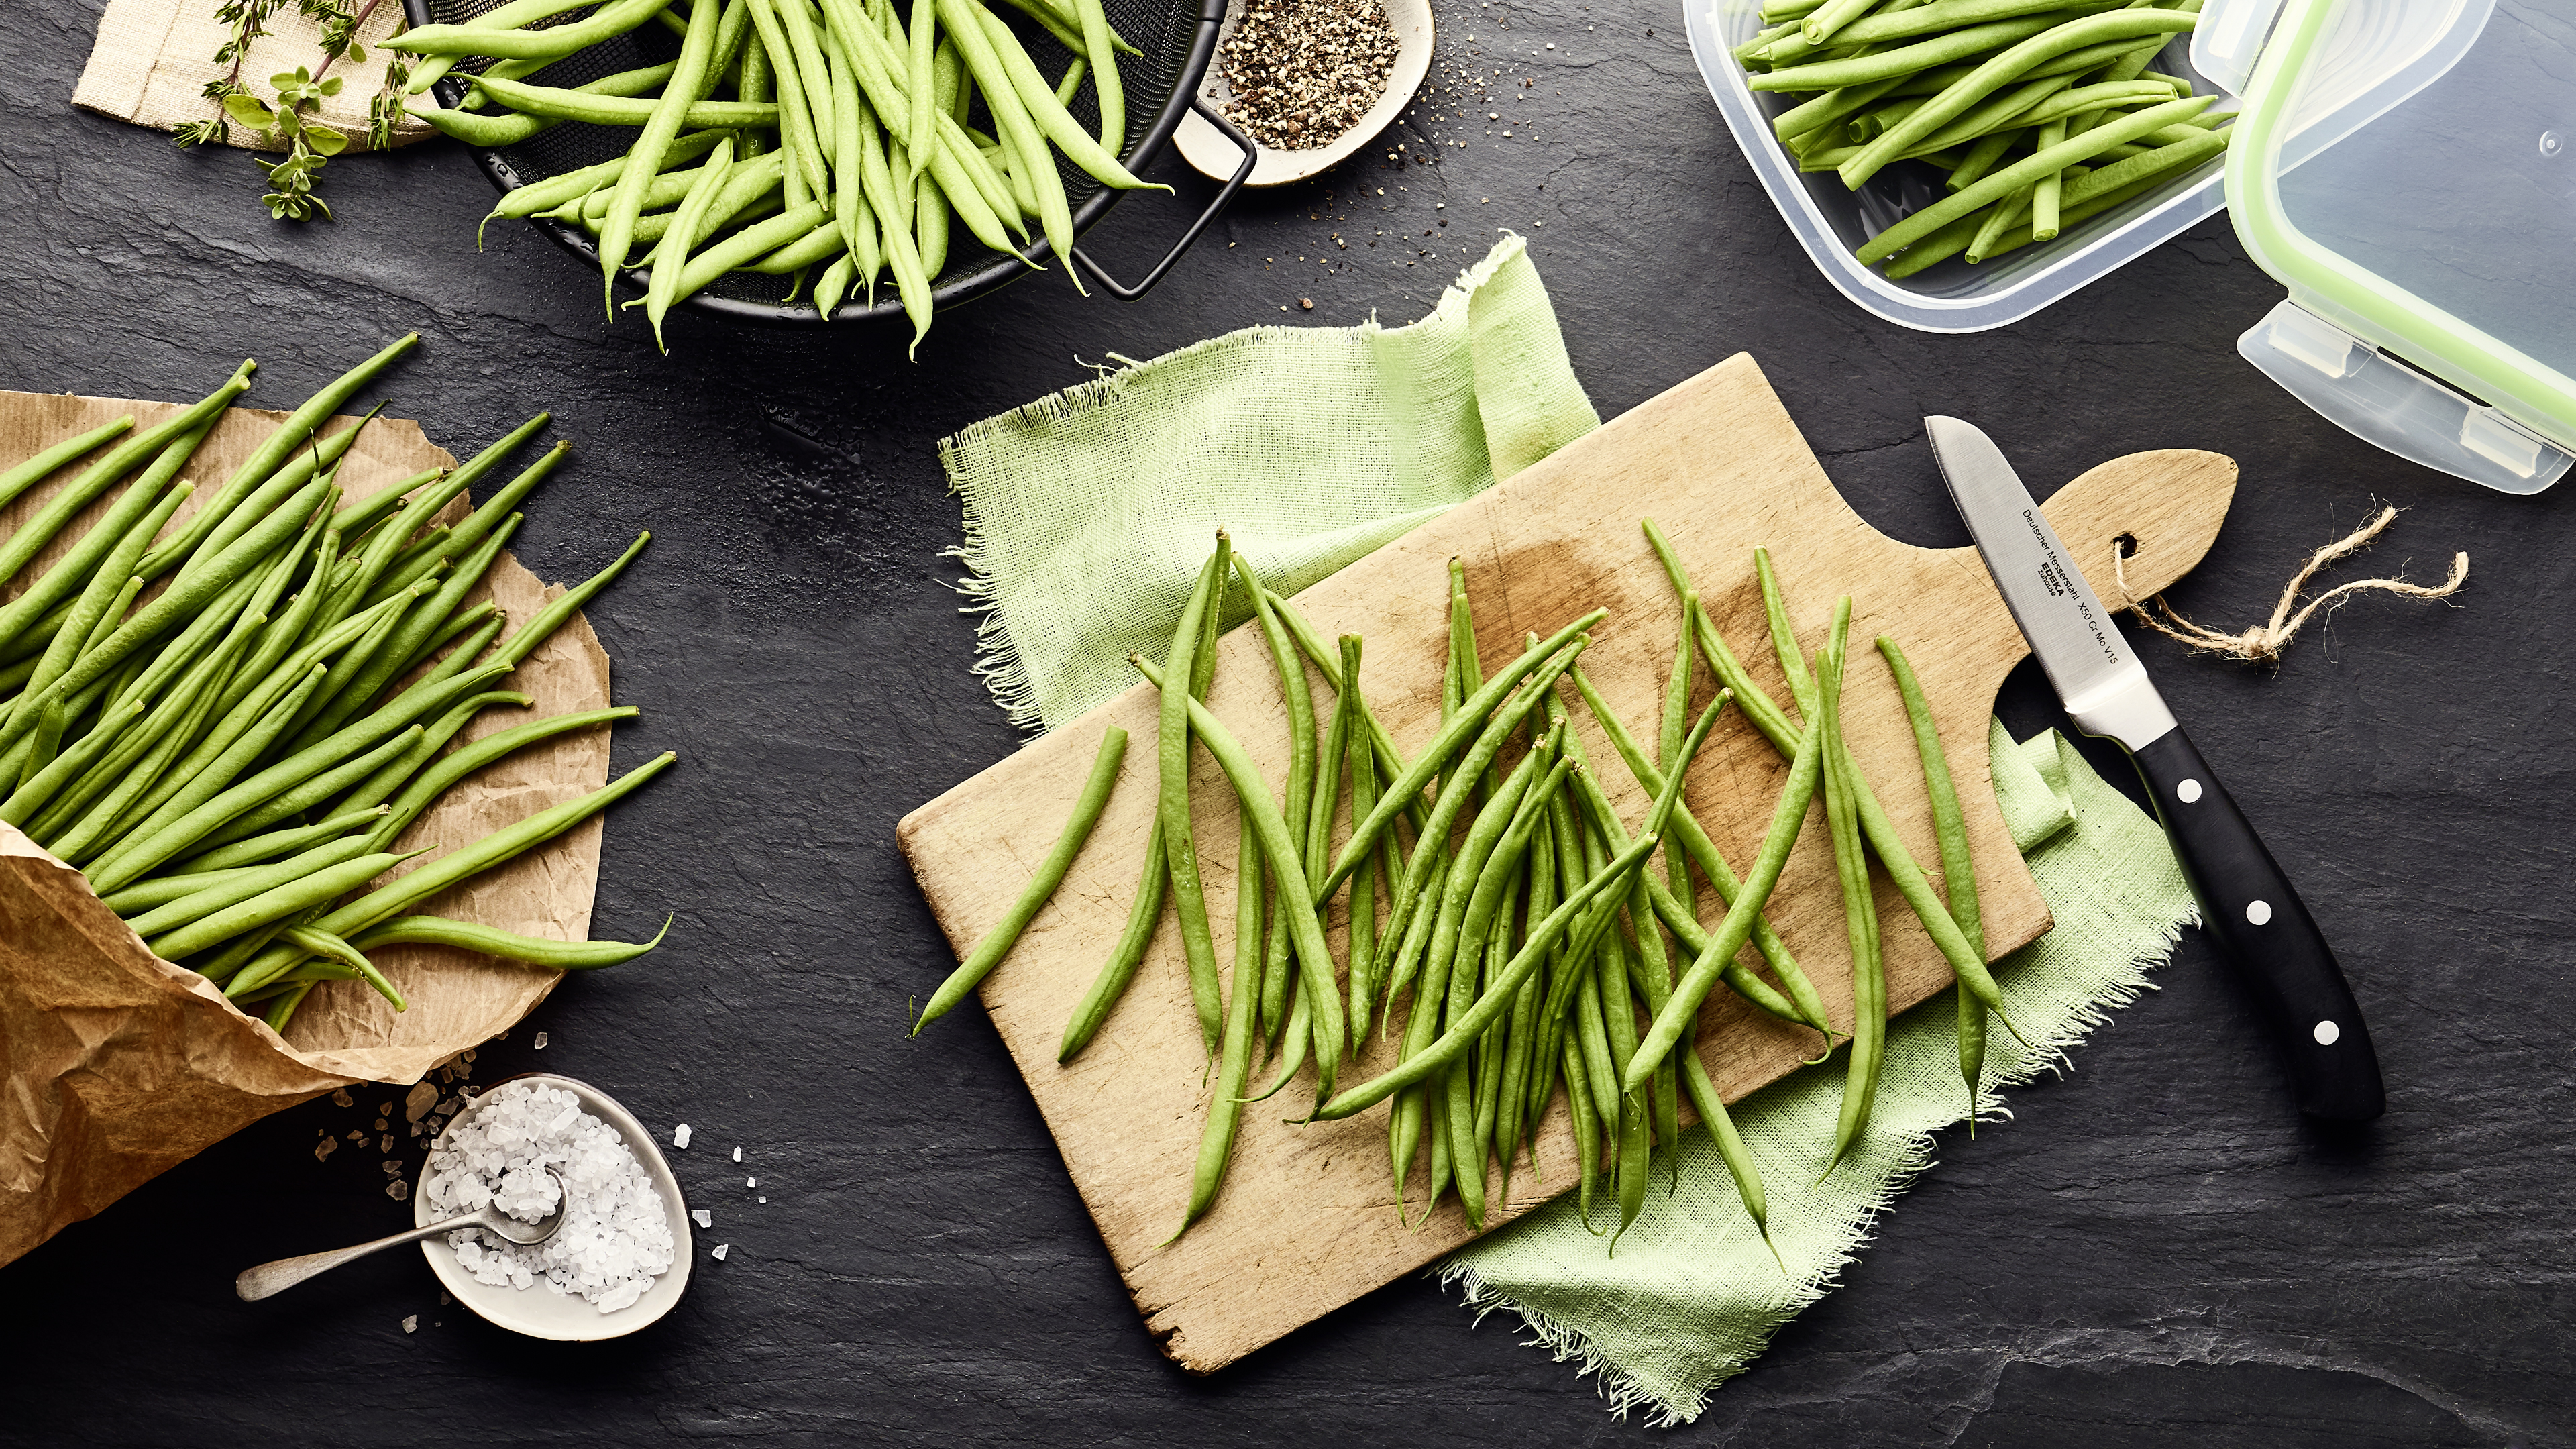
(2155, 1252)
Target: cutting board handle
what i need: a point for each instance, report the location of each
(2168, 504)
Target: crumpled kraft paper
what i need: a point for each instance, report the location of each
(116, 1065)
(152, 60)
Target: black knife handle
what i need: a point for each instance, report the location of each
(2266, 931)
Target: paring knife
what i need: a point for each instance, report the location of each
(2245, 901)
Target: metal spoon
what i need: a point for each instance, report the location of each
(270, 1278)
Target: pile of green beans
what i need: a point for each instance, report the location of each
(1526, 941)
(2039, 113)
(849, 145)
(227, 729)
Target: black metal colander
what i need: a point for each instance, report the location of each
(1177, 38)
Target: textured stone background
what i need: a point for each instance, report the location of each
(2156, 1252)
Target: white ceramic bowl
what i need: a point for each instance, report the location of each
(1207, 149)
(539, 1311)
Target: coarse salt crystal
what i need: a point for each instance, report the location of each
(411, 1323)
(541, 1041)
(702, 1217)
(751, 1182)
(616, 1236)
(737, 1154)
(719, 1251)
(680, 1137)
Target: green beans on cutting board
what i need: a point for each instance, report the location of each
(866, 113)
(1522, 949)
(2025, 108)
(230, 757)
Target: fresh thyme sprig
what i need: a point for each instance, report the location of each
(286, 123)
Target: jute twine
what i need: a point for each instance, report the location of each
(2265, 641)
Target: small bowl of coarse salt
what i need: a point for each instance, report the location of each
(621, 1258)
(1310, 81)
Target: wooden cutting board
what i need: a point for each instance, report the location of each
(1306, 1223)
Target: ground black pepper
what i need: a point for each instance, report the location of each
(1303, 72)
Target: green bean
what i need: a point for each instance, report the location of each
(563, 607)
(902, 256)
(39, 788)
(424, 791)
(1453, 1042)
(493, 850)
(1145, 911)
(1005, 933)
(2046, 192)
(244, 800)
(1668, 736)
(2047, 162)
(1049, 113)
(36, 469)
(923, 45)
(964, 20)
(2012, 64)
(1462, 782)
(236, 887)
(1903, 61)
(132, 525)
(1587, 1126)
(273, 904)
(1313, 956)
(1731, 1150)
(1172, 808)
(246, 853)
(313, 792)
(1454, 735)
(612, 19)
(224, 520)
(94, 481)
(161, 890)
(1144, 914)
(1860, 914)
(42, 746)
(322, 714)
(1981, 158)
(488, 941)
(1731, 933)
(395, 773)
(185, 599)
(1958, 867)
(1802, 1005)
(1822, 22)
(571, 186)
(1099, 43)
(233, 754)
(1905, 24)
(332, 948)
(1928, 251)
(74, 821)
(664, 286)
(101, 561)
(1298, 808)
(1758, 707)
(600, 108)
(661, 121)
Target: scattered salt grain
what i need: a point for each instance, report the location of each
(411, 1323)
(702, 1217)
(418, 1101)
(680, 1137)
(541, 1041)
(737, 1154)
(341, 1098)
(398, 1189)
(751, 1182)
(764, 1199)
(616, 1235)
(719, 1251)
(323, 1149)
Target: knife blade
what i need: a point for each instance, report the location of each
(2246, 902)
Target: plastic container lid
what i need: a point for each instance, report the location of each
(2419, 233)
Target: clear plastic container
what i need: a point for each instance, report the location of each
(1830, 220)
(2419, 235)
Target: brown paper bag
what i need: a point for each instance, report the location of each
(115, 1064)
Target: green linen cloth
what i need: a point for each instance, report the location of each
(1088, 513)
(1693, 1296)
(1087, 516)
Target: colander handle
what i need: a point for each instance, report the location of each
(1224, 195)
